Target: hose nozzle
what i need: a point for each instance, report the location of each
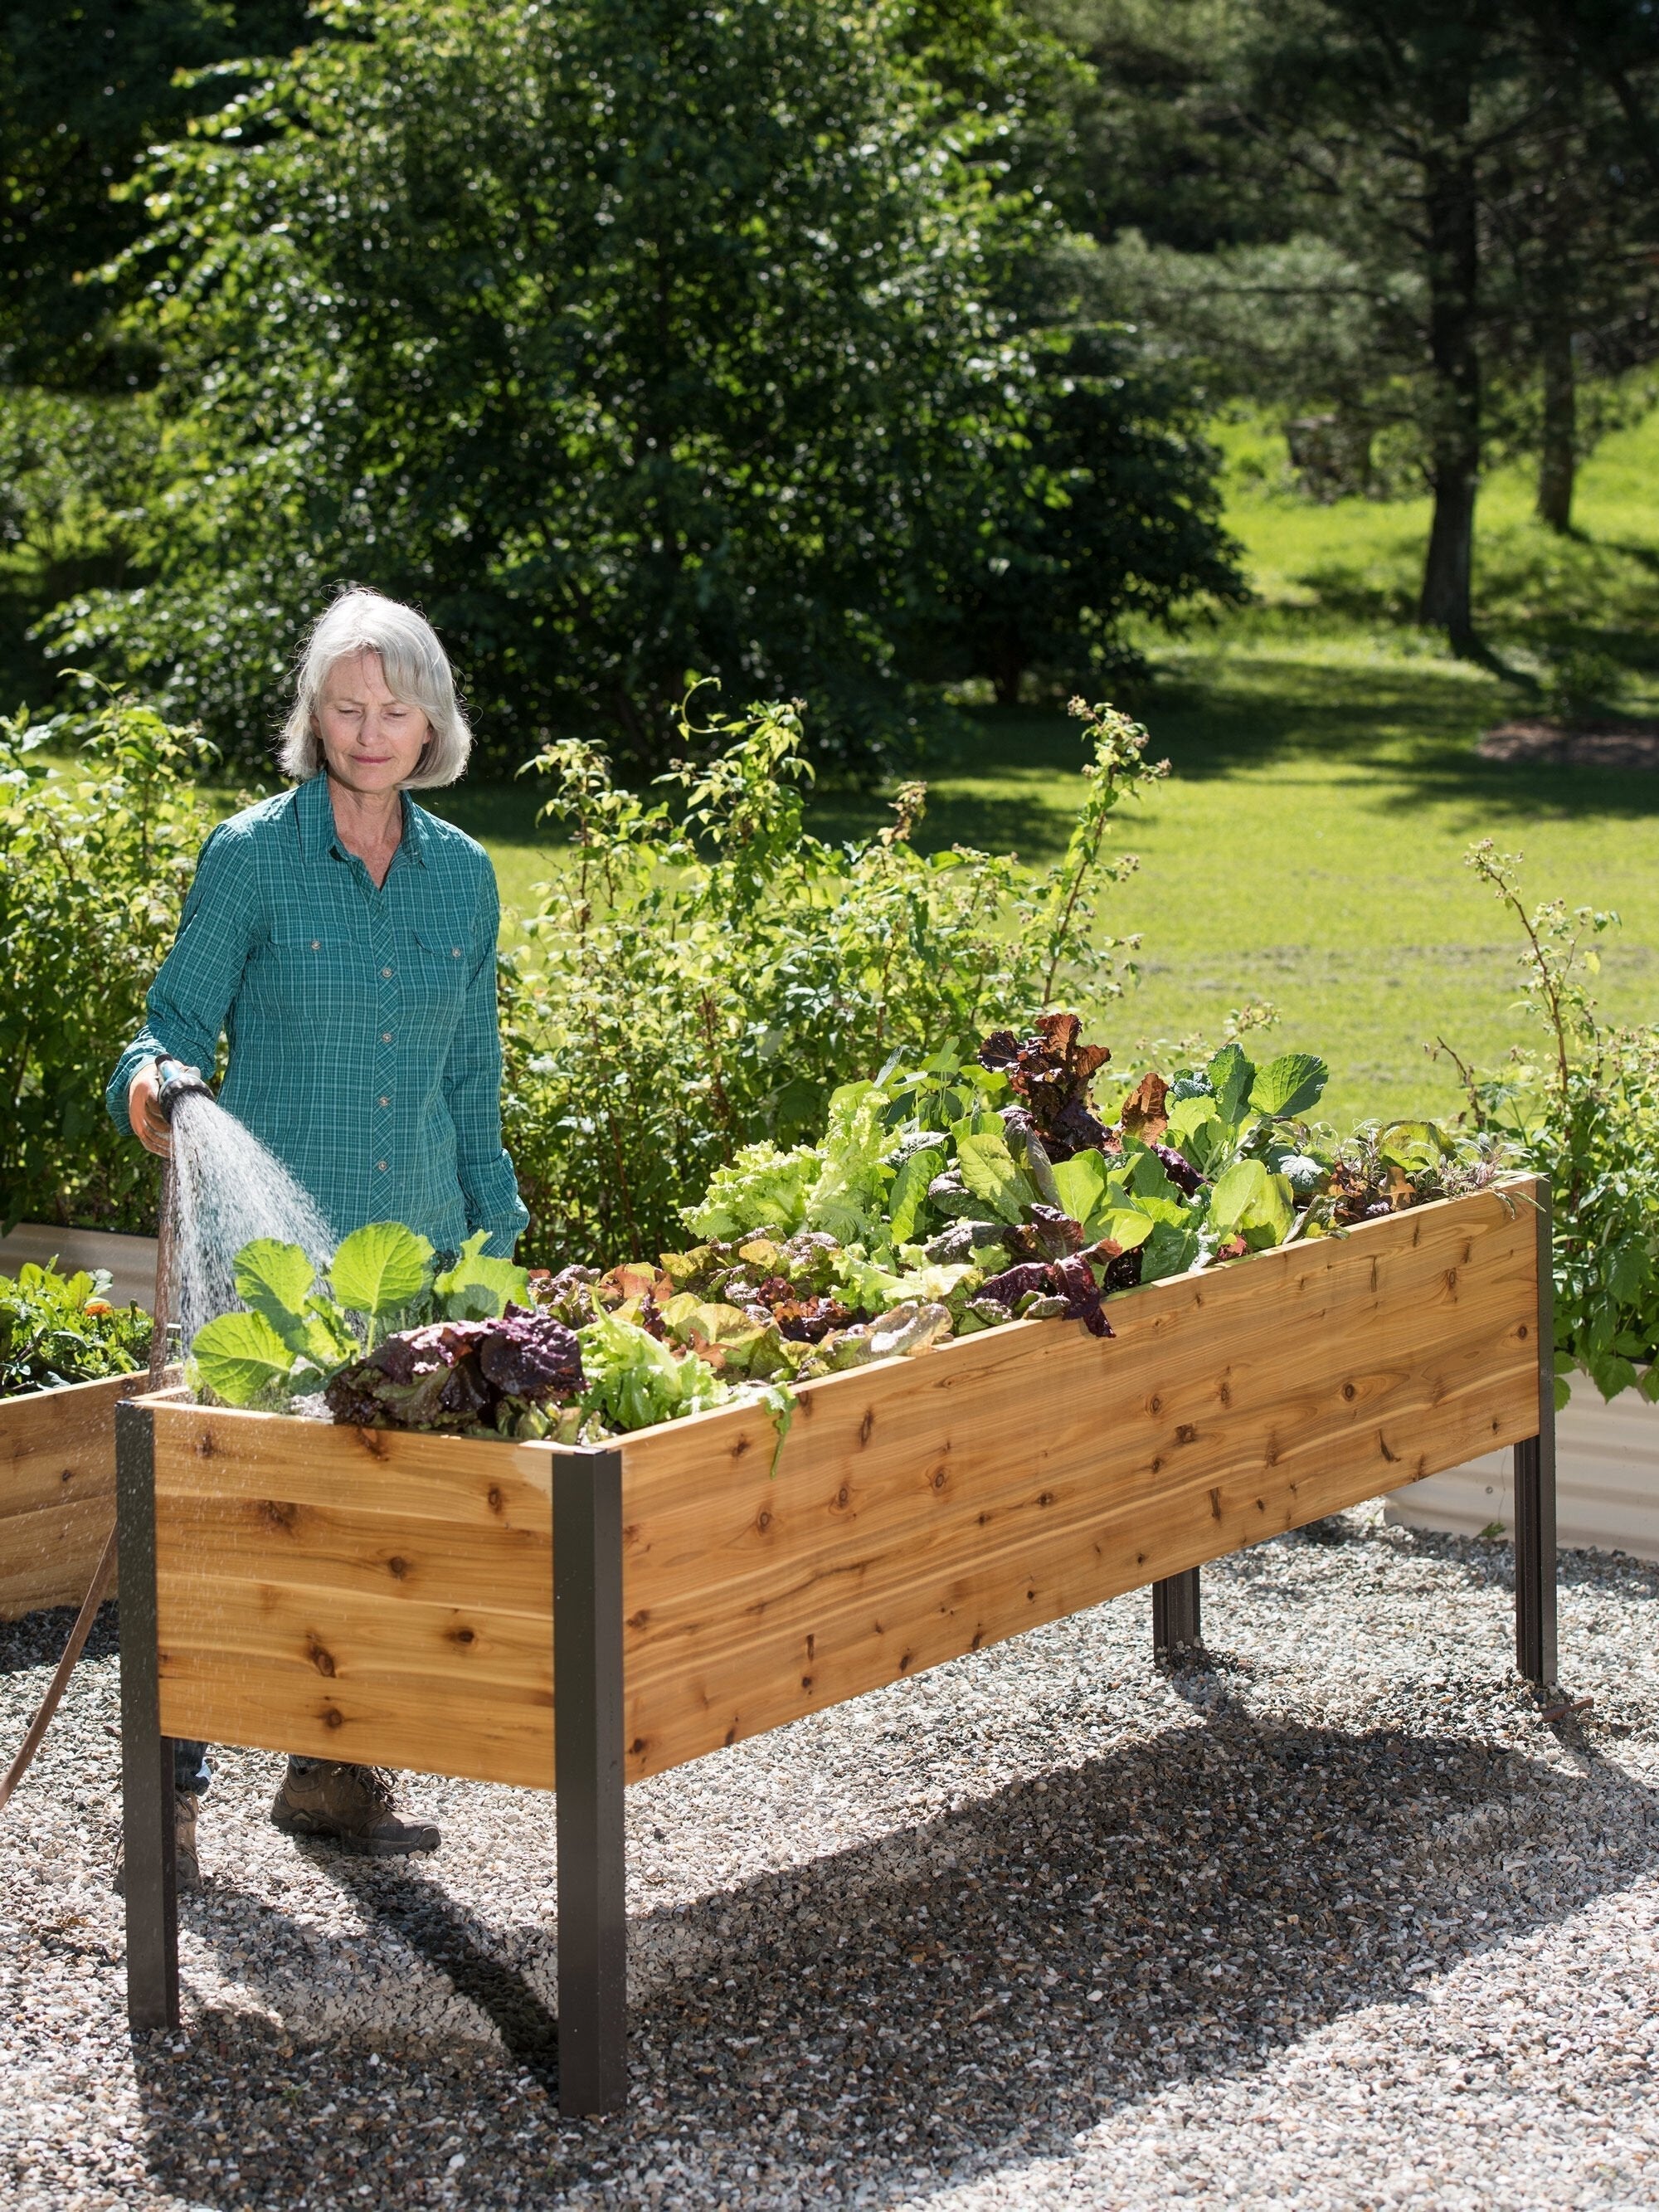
(176, 1081)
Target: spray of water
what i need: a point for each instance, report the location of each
(227, 1190)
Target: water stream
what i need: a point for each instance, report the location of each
(227, 1190)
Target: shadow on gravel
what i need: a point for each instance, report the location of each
(965, 1996)
(38, 1640)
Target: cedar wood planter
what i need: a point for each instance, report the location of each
(57, 1490)
(401, 1598)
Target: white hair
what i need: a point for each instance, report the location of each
(415, 668)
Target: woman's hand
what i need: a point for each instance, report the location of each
(149, 1123)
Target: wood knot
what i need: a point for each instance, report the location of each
(842, 1495)
(204, 1446)
(1521, 1332)
(1215, 1505)
(1349, 1391)
(806, 1681)
(904, 1661)
(1186, 1434)
(1392, 1457)
(865, 1426)
(1045, 1498)
(938, 1478)
(332, 1717)
(1224, 1394)
(636, 1749)
(763, 1521)
(396, 1568)
(1155, 1405)
(68, 1475)
(637, 1621)
(463, 1635)
(812, 1644)
(373, 1443)
(321, 1659)
(740, 1448)
(277, 1514)
(493, 1499)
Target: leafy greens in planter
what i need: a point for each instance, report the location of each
(57, 1329)
(943, 1200)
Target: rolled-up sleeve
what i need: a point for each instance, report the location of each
(472, 1091)
(186, 1007)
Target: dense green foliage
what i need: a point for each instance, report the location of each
(96, 853)
(630, 338)
(1584, 1110)
(706, 976)
(57, 1328)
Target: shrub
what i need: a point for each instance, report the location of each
(1584, 1112)
(702, 977)
(96, 853)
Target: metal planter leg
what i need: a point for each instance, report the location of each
(1534, 1490)
(147, 1791)
(1175, 1613)
(588, 1734)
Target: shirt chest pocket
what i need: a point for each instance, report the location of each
(436, 965)
(317, 975)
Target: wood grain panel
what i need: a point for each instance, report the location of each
(56, 1490)
(353, 1594)
(926, 1508)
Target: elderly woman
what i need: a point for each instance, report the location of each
(344, 940)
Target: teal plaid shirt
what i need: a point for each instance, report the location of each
(364, 1048)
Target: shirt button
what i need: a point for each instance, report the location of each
(385, 1101)
(454, 952)
(381, 1165)
(386, 973)
(386, 1037)
(316, 943)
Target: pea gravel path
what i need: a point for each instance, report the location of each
(1330, 1919)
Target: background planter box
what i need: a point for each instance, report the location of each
(131, 1259)
(56, 1490)
(583, 1618)
(1607, 1457)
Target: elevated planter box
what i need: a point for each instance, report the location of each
(580, 1619)
(1606, 1472)
(56, 1490)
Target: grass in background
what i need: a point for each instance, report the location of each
(1307, 846)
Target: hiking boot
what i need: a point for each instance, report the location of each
(187, 1867)
(353, 1805)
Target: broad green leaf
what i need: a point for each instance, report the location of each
(1147, 1176)
(480, 1289)
(1250, 1202)
(241, 1359)
(989, 1171)
(1170, 1250)
(1085, 1186)
(1197, 1131)
(1126, 1226)
(274, 1279)
(1231, 1075)
(1289, 1084)
(382, 1268)
(910, 1191)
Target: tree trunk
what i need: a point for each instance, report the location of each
(1558, 457)
(1454, 272)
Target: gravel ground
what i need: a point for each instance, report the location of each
(1328, 1917)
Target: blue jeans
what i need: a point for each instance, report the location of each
(191, 1773)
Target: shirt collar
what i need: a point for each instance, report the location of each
(314, 815)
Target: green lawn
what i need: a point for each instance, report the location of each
(1307, 847)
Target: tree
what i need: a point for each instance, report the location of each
(1108, 509)
(628, 337)
(84, 87)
